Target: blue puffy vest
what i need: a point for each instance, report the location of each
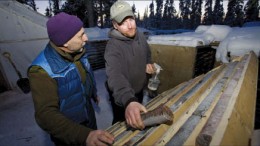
(74, 96)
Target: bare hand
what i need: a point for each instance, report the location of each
(150, 68)
(99, 138)
(133, 116)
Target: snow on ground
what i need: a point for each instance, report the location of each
(98, 34)
(203, 35)
(237, 41)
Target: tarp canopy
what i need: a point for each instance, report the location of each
(23, 36)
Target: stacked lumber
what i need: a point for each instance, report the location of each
(205, 60)
(95, 51)
(216, 108)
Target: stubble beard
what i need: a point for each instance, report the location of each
(131, 33)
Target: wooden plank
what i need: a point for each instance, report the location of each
(202, 112)
(120, 132)
(153, 137)
(193, 110)
(165, 96)
(206, 134)
(177, 62)
(213, 131)
(171, 99)
(238, 121)
(187, 108)
(162, 129)
(126, 137)
(139, 137)
(222, 83)
(181, 106)
(113, 128)
(117, 128)
(192, 83)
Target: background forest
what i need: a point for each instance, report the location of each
(161, 14)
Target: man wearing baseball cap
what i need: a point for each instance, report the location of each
(128, 61)
(63, 85)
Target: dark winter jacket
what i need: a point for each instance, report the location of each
(126, 60)
(59, 86)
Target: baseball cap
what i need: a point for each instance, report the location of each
(119, 10)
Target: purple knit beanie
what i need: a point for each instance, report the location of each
(62, 27)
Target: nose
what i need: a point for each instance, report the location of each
(85, 38)
(129, 24)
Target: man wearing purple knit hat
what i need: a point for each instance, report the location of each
(63, 85)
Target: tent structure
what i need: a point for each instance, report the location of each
(23, 36)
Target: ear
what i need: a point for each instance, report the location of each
(114, 24)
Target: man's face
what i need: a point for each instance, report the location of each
(76, 43)
(127, 27)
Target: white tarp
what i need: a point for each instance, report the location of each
(23, 35)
